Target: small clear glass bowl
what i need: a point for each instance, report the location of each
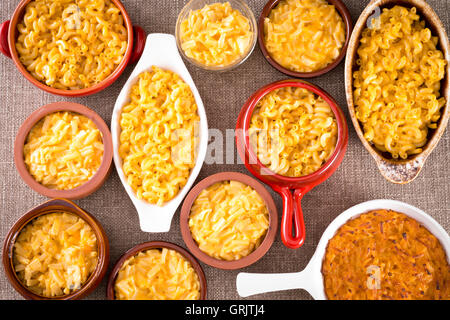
(235, 4)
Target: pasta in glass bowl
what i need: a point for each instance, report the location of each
(216, 35)
(58, 46)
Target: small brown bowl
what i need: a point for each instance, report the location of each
(347, 19)
(399, 171)
(252, 257)
(87, 188)
(51, 206)
(155, 245)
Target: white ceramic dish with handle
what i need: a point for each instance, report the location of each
(311, 279)
(161, 51)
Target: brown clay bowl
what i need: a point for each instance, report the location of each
(399, 171)
(51, 206)
(346, 17)
(252, 257)
(155, 245)
(135, 47)
(87, 188)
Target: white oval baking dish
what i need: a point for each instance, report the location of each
(161, 51)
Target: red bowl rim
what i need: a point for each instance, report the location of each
(341, 143)
(156, 245)
(88, 187)
(18, 12)
(347, 19)
(254, 256)
(45, 208)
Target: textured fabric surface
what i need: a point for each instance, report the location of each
(356, 180)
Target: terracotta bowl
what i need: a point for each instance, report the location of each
(8, 35)
(291, 189)
(346, 17)
(252, 257)
(156, 245)
(399, 171)
(52, 206)
(87, 188)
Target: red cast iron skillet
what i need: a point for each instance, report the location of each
(136, 44)
(290, 189)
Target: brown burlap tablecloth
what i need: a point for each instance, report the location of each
(223, 94)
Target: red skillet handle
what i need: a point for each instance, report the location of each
(4, 46)
(292, 214)
(139, 43)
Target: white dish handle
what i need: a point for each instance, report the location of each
(249, 284)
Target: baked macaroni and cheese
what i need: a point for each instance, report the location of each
(293, 132)
(71, 44)
(397, 86)
(228, 220)
(216, 35)
(157, 274)
(63, 150)
(304, 35)
(159, 135)
(55, 254)
(385, 255)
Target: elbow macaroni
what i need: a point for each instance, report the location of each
(63, 150)
(304, 35)
(396, 89)
(293, 132)
(216, 35)
(55, 254)
(70, 44)
(157, 274)
(229, 220)
(159, 136)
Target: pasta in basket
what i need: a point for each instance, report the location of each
(229, 220)
(397, 86)
(63, 150)
(159, 135)
(70, 44)
(293, 132)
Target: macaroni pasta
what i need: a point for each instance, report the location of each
(229, 220)
(158, 140)
(63, 150)
(55, 254)
(396, 89)
(216, 35)
(157, 274)
(293, 132)
(70, 44)
(304, 35)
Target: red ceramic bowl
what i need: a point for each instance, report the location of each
(292, 211)
(155, 245)
(346, 18)
(88, 187)
(50, 207)
(8, 35)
